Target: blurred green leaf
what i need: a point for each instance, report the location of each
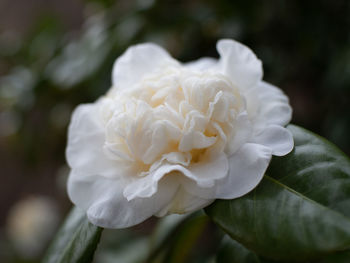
(185, 238)
(300, 210)
(82, 58)
(134, 251)
(340, 257)
(176, 239)
(232, 251)
(164, 231)
(76, 241)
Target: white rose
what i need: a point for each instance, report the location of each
(171, 137)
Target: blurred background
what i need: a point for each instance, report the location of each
(56, 54)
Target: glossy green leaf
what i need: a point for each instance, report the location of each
(231, 251)
(76, 241)
(301, 209)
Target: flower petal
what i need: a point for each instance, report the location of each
(202, 64)
(247, 168)
(147, 186)
(137, 60)
(207, 171)
(107, 207)
(271, 92)
(239, 63)
(203, 174)
(204, 177)
(86, 138)
(277, 138)
(184, 202)
(243, 132)
(274, 106)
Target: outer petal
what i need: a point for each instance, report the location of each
(273, 108)
(242, 133)
(202, 64)
(277, 138)
(271, 91)
(86, 137)
(106, 206)
(184, 202)
(130, 67)
(247, 168)
(239, 63)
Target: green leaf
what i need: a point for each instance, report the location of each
(341, 257)
(125, 253)
(232, 251)
(186, 238)
(178, 239)
(301, 209)
(163, 235)
(76, 241)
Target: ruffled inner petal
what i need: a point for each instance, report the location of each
(203, 174)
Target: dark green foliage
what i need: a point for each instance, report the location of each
(300, 210)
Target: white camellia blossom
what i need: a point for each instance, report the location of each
(171, 137)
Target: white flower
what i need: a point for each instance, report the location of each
(171, 137)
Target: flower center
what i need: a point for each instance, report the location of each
(174, 115)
